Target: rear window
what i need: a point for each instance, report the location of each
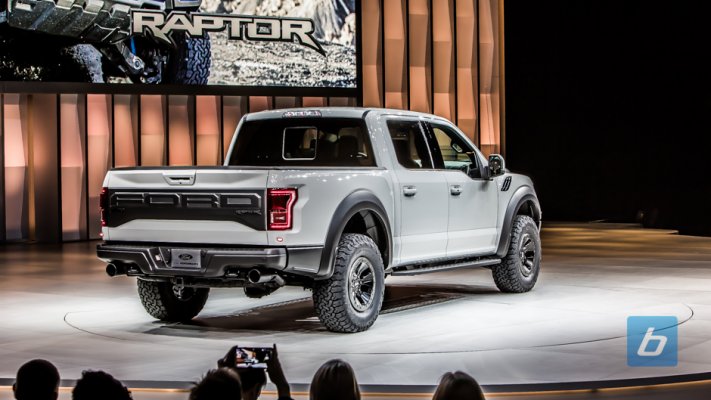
(303, 142)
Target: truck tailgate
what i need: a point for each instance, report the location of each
(218, 205)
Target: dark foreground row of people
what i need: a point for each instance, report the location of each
(334, 380)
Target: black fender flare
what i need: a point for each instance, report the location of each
(360, 200)
(522, 195)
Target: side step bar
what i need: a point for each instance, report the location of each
(423, 269)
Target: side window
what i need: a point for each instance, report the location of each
(455, 152)
(410, 145)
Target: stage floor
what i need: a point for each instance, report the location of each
(57, 303)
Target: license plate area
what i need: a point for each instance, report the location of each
(185, 259)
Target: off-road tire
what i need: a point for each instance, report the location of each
(161, 303)
(332, 297)
(509, 276)
(28, 56)
(189, 63)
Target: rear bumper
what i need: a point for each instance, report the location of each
(216, 263)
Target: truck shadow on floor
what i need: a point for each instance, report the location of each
(299, 316)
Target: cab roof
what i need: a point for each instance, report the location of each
(333, 112)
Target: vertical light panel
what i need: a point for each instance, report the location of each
(420, 55)
(341, 102)
(443, 58)
(286, 102)
(16, 156)
(490, 122)
(395, 46)
(207, 133)
(180, 130)
(372, 53)
(501, 93)
(72, 132)
(153, 115)
(125, 140)
(467, 86)
(314, 101)
(233, 108)
(260, 103)
(99, 122)
(2, 168)
(45, 176)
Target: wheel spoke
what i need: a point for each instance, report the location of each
(360, 267)
(529, 264)
(368, 278)
(356, 268)
(364, 298)
(529, 246)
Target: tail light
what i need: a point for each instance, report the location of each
(280, 207)
(103, 204)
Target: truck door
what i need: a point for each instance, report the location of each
(473, 202)
(422, 193)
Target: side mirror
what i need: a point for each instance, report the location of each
(497, 166)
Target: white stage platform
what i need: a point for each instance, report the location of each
(58, 304)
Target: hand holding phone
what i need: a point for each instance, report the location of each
(236, 357)
(253, 357)
(276, 375)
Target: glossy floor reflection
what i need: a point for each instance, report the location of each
(57, 303)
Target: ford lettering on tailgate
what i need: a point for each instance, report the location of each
(245, 207)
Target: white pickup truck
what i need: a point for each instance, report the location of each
(331, 199)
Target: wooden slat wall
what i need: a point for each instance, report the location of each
(208, 130)
(395, 49)
(73, 161)
(45, 217)
(3, 234)
(467, 60)
(99, 122)
(372, 36)
(443, 57)
(16, 166)
(440, 56)
(420, 55)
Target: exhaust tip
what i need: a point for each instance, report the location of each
(115, 269)
(254, 276)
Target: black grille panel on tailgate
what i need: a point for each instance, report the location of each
(243, 206)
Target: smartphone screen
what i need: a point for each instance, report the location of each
(253, 357)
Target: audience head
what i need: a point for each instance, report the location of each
(335, 380)
(458, 386)
(99, 385)
(253, 380)
(37, 380)
(218, 384)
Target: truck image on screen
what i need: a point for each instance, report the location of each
(94, 38)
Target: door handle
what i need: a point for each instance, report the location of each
(409, 191)
(455, 190)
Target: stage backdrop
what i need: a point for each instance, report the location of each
(440, 56)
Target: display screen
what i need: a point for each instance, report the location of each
(244, 43)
